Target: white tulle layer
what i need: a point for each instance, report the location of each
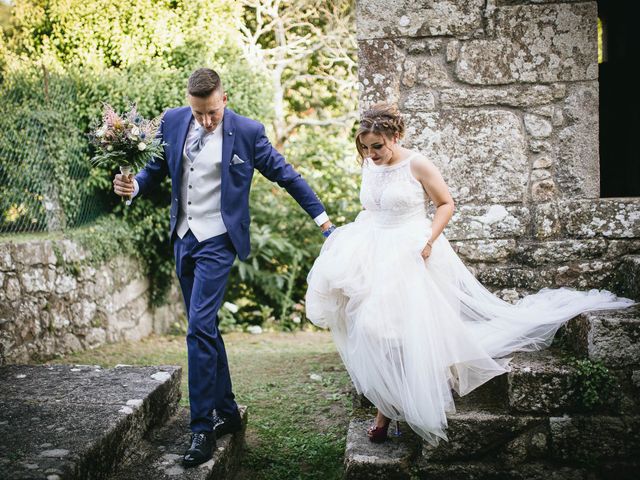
(409, 331)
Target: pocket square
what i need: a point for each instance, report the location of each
(236, 160)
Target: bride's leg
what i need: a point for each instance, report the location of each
(381, 420)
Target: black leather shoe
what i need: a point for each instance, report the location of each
(201, 449)
(225, 425)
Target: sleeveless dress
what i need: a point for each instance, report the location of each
(409, 330)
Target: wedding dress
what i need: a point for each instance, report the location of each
(409, 330)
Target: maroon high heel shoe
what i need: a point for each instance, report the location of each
(378, 434)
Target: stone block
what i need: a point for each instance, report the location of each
(38, 279)
(430, 46)
(490, 222)
(534, 44)
(390, 460)
(79, 421)
(535, 253)
(515, 276)
(536, 126)
(421, 18)
(481, 153)
(497, 470)
(546, 221)
(34, 252)
(131, 292)
(65, 283)
(541, 383)
(12, 288)
(6, 259)
(627, 280)
(430, 72)
(477, 434)
(578, 168)
(586, 275)
(587, 439)
(489, 251)
(95, 337)
(610, 218)
(422, 101)
(71, 251)
(511, 96)
(379, 70)
(612, 336)
(543, 191)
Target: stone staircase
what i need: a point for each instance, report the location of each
(539, 421)
(84, 422)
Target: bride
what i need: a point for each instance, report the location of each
(409, 320)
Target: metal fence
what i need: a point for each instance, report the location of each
(45, 171)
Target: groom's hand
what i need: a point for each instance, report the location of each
(327, 227)
(123, 185)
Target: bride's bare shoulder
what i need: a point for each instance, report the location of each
(421, 166)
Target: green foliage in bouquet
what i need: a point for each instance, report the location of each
(126, 139)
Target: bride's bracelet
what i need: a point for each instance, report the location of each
(328, 231)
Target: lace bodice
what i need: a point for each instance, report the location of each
(392, 191)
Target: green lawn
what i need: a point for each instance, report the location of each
(297, 426)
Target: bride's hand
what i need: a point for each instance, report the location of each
(426, 251)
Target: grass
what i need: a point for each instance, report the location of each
(297, 426)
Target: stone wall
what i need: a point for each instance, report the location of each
(503, 96)
(53, 301)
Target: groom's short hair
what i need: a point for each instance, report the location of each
(203, 82)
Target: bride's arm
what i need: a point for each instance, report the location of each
(433, 183)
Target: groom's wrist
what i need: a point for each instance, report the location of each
(328, 231)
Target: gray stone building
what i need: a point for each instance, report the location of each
(504, 96)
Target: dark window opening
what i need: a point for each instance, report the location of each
(619, 59)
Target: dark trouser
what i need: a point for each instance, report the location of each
(203, 270)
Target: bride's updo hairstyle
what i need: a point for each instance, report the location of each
(382, 119)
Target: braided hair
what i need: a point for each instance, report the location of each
(382, 119)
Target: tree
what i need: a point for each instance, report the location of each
(308, 51)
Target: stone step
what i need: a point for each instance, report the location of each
(159, 455)
(543, 382)
(485, 445)
(611, 337)
(77, 422)
(392, 460)
(627, 282)
(492, 445)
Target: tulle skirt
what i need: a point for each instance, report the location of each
(409, 330)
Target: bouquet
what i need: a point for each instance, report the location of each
(126, 140)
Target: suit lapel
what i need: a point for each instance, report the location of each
(181, 137)
(228, 137)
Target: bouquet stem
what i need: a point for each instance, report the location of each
(126, 171)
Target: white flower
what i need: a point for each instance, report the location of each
(109, 148)
(296, 319)
(142, 146)
(100, 133)
(233, 308)
(135, 131)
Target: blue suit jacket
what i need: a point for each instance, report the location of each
(243, 137)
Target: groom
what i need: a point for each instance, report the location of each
(210, 154)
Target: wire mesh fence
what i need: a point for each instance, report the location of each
(45, 172)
